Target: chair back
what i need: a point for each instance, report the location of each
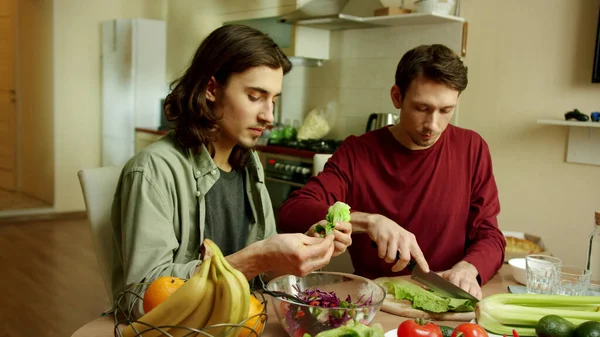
(98, 186)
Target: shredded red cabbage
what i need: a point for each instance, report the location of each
(301, 318)
(325, 299)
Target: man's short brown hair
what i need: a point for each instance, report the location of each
(435, 62)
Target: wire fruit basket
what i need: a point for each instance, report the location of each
(124, 313)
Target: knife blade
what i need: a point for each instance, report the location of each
(435, 282)
(438, 284)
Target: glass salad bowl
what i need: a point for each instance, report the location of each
(331, 300)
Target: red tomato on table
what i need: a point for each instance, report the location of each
(469, 330)
(419, 328)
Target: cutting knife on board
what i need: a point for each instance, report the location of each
(435, 282)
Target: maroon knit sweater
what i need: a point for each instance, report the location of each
(445, 195)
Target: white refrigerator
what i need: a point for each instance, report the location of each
(133, 83)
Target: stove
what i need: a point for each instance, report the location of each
(314, 145)
(288, 165)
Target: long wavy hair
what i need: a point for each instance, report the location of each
(230, 49)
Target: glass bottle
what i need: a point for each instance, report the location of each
(593, 258)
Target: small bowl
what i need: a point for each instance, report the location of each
(298, 319)
(426, 6)
(518, 270)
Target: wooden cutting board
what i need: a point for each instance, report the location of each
(404, 307)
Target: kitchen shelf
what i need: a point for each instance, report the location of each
(583, 141)
(344, 21)
(587, 124)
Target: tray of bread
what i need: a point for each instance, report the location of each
(520, 244)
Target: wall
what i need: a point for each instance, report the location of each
(524, 66)
(186, 28)
(36, 99)
(190, 21)
(77, 118)
(359, 75)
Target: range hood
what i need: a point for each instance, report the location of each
(327, 14)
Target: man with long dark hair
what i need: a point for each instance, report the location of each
(422, 189)
(203, 180)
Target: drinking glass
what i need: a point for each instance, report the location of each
(571, 280)
(541, 270)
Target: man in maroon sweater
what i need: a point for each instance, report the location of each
(423, 187)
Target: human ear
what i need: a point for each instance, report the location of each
(211, 90)
(396, 96)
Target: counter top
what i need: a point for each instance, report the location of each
(262, 148)
(286, 151)
(103, 326)
(152, 131)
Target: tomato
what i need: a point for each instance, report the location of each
(418, 328)
(469, 330)
(299, 333)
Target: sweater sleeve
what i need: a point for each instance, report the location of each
(485, 241)
(309, 205)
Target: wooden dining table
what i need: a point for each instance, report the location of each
(104, 326)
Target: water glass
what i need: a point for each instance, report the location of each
(571, 280)
(541, 270)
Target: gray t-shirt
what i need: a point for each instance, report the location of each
(228, 212)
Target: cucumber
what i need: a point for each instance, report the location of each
(447, 331)
(554, 326)
(587, 329)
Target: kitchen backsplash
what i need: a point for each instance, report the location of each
(359, 74)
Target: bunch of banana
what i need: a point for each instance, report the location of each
(232, 301)
(214, 300)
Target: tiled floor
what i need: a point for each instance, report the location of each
(19, 201)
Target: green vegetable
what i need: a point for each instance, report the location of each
(587, 329)
(446, 331)
(352, 329)
(426, 300)
(554, 326)
(336, 213)
(501, 313)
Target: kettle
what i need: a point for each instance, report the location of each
(379, 120)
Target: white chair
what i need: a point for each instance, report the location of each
(319, 161)
(98, 186)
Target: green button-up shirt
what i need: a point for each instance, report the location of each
(159, 211)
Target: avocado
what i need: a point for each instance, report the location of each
(587, 329)
(554, 326)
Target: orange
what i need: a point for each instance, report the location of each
(159, 290)
(256, 308)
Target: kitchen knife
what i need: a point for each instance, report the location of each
(435, 282)
(438, 284)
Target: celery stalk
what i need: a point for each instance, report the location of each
(501, 313)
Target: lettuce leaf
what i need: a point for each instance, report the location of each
(426, 300)
(337, 212)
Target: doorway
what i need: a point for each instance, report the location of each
(26, 111)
